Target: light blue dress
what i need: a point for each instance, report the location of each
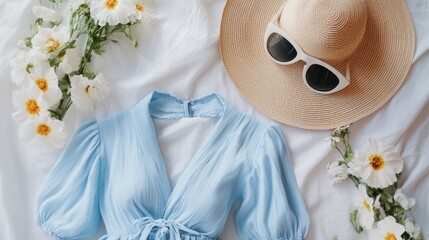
(113, 170)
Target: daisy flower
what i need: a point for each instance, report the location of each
(46, 14)
(99, 88)
(80, 92)
(387, 229)
(111, 12)
(377, 165)
(84, 91)
(70, 61)
(44, 133)
(24, 64)
(143, 10)
(45, 79)
(47, 40)
(28, 103)
(364, 203)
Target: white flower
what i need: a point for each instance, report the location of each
(80, 92)
(24, 64)
(45, 79)
(44, 133)
(413, 229)
(337, 172)
(47, 40)
(143, 10)
(47, 14)
(406, 202)
(388, 229)
(111, 12)
(364, 203)
(70, 61)
(99, 88)
(84, 91)
(28, 103)
(377, 165)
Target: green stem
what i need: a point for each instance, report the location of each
(90, 45)
(64, 106)
(355, 180)
(336, 147)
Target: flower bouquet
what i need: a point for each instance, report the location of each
(381, 208)
(51, 69)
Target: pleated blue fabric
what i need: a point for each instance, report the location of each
(113, 170)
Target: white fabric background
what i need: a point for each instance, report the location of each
(179, 53)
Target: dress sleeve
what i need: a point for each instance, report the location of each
(272, 206)
(67, 205)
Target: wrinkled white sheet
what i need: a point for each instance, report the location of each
(179, 53)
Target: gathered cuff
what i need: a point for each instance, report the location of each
(54, 234)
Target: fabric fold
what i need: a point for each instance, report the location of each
(114, 168)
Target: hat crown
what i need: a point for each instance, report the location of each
(330, 30)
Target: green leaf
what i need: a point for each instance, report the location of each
(377, 214)
(371, 192)
(28, 42)
(353, 220)
(63, 84)
(53, 113)
(29, 67)
(387, 197)
(38, 22)
(59, 111)
(99, 51)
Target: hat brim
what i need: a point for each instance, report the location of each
(377, 68)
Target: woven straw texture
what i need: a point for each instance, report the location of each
(378, 65)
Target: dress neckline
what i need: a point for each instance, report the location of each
(164, 105)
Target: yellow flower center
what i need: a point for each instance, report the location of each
(111, 4)
(366, 206)
(390, 236)
(139, 7)
(87, 89)
(376, 161)
(32, 107)
(52, 44)
(43, 129)
(42, 83)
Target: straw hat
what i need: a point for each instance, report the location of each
(376, 38)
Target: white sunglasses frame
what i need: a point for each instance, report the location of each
(309, 60)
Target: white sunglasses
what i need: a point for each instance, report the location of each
(319, 76)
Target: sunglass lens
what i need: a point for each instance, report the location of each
(280, 48)
(321, 78)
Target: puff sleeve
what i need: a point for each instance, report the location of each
(272, 207)
(67, 205)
